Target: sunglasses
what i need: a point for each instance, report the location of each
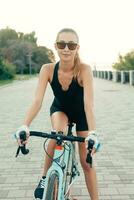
(70, 45)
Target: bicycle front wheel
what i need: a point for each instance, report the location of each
(52, 187)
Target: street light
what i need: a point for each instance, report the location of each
(29, 60)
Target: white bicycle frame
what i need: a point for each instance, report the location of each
(63, 160)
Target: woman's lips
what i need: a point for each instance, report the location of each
(66, 54)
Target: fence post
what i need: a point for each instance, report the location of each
(105, 74)
(101, 74)
(110, 75)
(123, 80)
(115, 76)
(97, 74)
(131, 77)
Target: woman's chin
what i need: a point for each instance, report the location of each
(66, 57)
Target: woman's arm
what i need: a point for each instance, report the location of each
(39, 94)
(87, 80)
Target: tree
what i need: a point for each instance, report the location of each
(17, 53)
(125, 62)
(29, 37)
(42, 55)
(6, 35)
(7, 70)
(22, 51)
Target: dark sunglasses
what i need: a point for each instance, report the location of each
(62, 45)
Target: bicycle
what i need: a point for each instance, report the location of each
(64, 170)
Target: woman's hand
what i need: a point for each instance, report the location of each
(17, 134)
(93, 136)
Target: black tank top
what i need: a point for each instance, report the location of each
(71, 99)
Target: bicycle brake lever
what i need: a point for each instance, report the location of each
(90, 147)
(23, 146)
(23, 149)
(18, 150)
(89, 159)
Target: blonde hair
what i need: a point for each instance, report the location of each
(77, 61)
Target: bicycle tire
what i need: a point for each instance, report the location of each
(52, 189)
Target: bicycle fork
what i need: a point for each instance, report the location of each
(75, 173)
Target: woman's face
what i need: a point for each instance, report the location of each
(67, 51)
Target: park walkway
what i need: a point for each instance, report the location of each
(114, 108)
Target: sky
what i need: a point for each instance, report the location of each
(105, 27)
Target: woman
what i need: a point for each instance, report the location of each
(72, 85)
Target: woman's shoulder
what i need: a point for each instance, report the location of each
(86, 74)
(85, 68)
(48, 69)
(48, 66)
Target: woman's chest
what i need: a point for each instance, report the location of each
(66, 79)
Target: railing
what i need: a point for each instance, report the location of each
(116, 76)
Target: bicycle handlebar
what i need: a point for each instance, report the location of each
(59, 138)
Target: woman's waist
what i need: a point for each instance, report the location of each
(69, 105)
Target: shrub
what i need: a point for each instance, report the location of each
(7, 70)
(125, 62)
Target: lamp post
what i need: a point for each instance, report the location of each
(29, 60)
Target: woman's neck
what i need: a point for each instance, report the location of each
(66, 66)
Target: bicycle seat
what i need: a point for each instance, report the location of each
(70, 123)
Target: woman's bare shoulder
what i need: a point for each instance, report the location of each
(85, 67)
(48, 69)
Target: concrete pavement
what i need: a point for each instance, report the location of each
(114, 109)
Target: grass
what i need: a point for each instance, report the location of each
(18, 77)
(24, 77)
(5, 82)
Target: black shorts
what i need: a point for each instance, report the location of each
(79, 118)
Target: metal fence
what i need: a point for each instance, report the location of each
(116, 76)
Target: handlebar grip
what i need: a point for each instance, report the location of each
(90, 144)
(23, 147)
(23, 136)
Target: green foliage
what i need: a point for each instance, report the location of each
(125, 62)
(6, 35)
(7, 70)
(17, 53)
(29, 37)
(22, 51)
(41, 55)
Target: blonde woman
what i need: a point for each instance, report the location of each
(72, 85)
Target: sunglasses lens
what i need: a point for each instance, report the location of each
(72, 46)
(61, 45)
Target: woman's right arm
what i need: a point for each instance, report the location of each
(39, 94)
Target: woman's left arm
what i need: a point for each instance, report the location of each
(87, 80)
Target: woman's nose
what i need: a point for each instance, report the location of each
(66, 47)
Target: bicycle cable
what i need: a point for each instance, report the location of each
(52, 157)
(65, 144)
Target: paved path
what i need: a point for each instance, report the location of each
(114, 163)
